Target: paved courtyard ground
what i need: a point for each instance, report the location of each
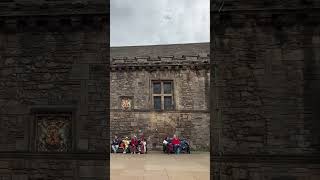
(158, 166)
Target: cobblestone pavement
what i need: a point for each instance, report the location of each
(157, 166)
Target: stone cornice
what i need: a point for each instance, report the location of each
(53, 23)
(195, 62)
(47, 7)
(263, 5)
(264, 10)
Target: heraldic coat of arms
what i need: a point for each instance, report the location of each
(54, 133)
(126, 103)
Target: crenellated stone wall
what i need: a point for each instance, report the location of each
(132, 75)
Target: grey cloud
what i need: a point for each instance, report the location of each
(144, 22)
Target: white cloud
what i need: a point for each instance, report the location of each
(145, 22)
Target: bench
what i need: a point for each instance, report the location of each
(184, 147)
(142, 149)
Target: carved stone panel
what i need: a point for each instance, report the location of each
(54, 132)
(126, 103)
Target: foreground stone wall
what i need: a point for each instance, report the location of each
(53, 90)
(132, 77)
(265, 90)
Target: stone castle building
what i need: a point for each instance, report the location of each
(160, 90)
(264, 90)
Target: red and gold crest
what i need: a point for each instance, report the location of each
(126, 103)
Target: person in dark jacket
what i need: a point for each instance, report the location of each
(169, 146)
(121, 147)
(115, 144)
(165, 144)
(184, 146)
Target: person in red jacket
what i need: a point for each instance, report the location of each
(176, 144)
(133, 144)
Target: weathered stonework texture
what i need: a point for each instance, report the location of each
(132, 71)
(265, 89)
(54, 60)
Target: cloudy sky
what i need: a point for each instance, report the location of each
(147, 22)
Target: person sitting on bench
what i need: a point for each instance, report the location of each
(134, 144)
(165, 144)
(176, 144)
(143, 145)
(121, 147)
(126, 145)
(115, 144)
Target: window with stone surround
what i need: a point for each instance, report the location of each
(162, 95)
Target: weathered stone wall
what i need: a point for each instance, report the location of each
(265, 89)
(156, 126)
(37, 168)
(53, 61)
(190, 76)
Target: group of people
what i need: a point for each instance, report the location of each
(133, 146)
(139, 145)
(175, 145)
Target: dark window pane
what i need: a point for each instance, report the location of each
(167, 87)
(167, 102)
(157, 88)
(157, 102)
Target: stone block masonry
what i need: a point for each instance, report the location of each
(133, 70)
(51, 55)
(265, 90)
